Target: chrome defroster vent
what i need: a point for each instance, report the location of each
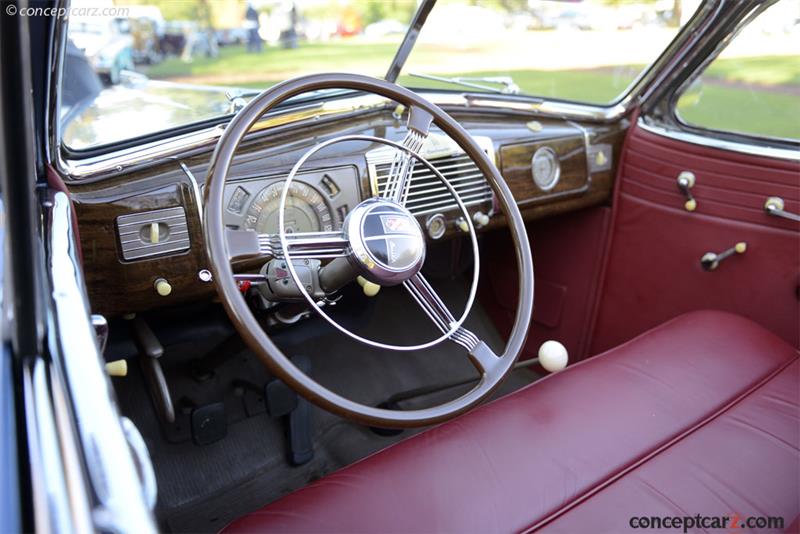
(152, 233)
(427, 194)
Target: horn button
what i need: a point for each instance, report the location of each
(387, 242)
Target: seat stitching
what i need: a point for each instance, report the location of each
(658, 450)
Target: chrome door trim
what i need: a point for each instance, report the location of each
(112, 474)
(722, 144)
(52, 505)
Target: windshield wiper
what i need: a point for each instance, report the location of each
(236, 97)
(507, 83)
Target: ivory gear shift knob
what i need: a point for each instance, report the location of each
(553, 356)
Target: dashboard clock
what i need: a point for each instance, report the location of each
(546, 168)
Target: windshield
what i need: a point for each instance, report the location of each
(587, 51)
(161, 64)
(170, 63)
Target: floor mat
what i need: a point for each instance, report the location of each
(202, 488)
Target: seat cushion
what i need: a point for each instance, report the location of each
(697, 416)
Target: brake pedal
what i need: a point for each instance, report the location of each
(282, 401)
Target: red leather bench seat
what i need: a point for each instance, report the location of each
(697, 416)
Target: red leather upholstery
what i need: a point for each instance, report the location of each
(698, 416)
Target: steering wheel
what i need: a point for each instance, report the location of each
(381, 240)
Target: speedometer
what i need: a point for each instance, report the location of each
(306, 210)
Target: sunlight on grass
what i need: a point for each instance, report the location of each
(767, 70)
(737, 93)
(743, 110)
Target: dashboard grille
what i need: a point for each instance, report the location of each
(151, 233)
(427, 194)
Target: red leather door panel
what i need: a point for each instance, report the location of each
(653, 270)
(567, 256)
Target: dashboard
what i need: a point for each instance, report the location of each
(142, 226)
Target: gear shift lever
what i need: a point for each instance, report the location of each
(553, 356)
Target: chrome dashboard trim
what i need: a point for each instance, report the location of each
(722, 144)
(104, 165)
(198, 198)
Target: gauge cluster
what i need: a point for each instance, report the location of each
(317, 201)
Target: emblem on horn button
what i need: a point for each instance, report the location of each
(387, 240)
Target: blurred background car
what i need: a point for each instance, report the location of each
(188, 39)
(385, 28)
(231, 36)
(146, 25)
(106, 43)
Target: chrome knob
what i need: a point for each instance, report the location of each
(436, 226)
(480, 219)
(686, 181)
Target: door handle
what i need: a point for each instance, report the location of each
(774, 206)
(711, 260)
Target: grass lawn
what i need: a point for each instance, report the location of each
(766, 113)
(737, 94)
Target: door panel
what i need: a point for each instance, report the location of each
(654, 271)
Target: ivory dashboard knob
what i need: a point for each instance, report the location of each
(162, 287)
(553, 356)
(117, 368)
(370, 288)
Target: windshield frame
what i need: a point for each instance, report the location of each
(79, 164)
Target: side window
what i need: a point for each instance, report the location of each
(753, 86)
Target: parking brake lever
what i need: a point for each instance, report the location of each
(150, 350)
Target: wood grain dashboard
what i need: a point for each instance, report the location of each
(586, 156)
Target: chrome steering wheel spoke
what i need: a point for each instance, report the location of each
(402, 166)
(421, 291)
(247, 244)
(306, 245)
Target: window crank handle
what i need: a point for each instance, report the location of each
(775, 206)
(711, 260)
